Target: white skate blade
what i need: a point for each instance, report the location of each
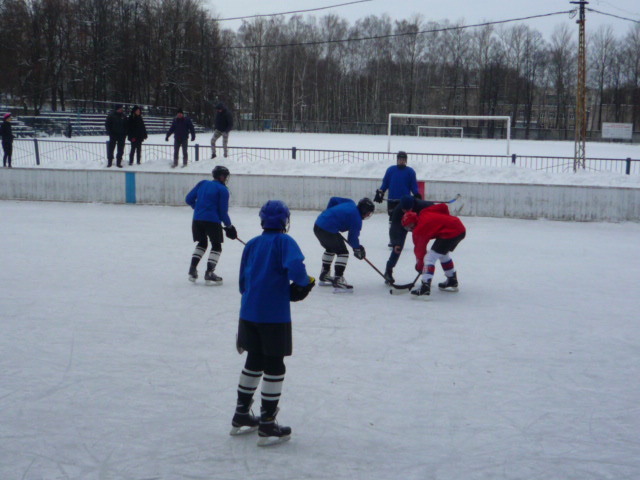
(343, 290)
(424, 298)
(242, 430)
(268, 441)
(449, 289)
(193, 280)
(325, 284)
(211, 283)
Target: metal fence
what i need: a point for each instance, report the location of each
(36, 152)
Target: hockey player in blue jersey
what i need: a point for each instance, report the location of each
(341, 215)
(400, 180)
(210, 202)
(269, 263)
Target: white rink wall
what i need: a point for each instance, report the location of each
(554, 202)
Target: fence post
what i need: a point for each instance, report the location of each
(37, 150)
(197, 152)
(293, 152)
(513, 158)
(628, 172)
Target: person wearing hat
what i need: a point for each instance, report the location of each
(136, 132)
(434, 223)
(400, 180)
(7, 139)
(116, 126)
(222, 125)
(398, 234)
(181, 127)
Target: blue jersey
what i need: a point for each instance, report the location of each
(342, 215)
(210, 202)
(399, 182)
(269, 262)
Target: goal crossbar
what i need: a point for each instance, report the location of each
(505, 118)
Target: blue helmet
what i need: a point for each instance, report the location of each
(274, 215)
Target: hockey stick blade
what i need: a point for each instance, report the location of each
(449, 201)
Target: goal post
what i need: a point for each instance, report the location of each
(493, 118)
(422, 128)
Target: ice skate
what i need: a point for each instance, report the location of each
(450, 284)
(193, 274)
(211, 278)
(213, 155)
(270, 433)
(325, 279)
(340, 285)
(244, 422)
(388, 277)
(423, 291)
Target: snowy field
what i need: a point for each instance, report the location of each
(114, 366)
(351, 167)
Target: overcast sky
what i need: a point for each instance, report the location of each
(469, 11)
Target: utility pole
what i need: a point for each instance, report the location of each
(581, 93)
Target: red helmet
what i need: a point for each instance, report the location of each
(409, 219)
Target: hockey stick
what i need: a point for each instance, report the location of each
(448, 201)
(398, 287)
(240, 240)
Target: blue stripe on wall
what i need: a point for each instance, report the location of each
(130, 187)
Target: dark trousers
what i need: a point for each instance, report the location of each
(177, 144)
(136, 147)
(7, 146)
(116, 140)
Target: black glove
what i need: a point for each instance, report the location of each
(379, 196)
(297, 293)
(417, 196)
(193, 139)
(231, 232)
(166, 139)
(359, 253)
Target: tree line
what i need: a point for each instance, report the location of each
(173, 53)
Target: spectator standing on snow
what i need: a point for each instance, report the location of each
(180, 128)
(222, 125)
(137, 133)
(116, 126)
(7, 139)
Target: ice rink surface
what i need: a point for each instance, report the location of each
(114, 366)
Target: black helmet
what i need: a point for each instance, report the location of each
(401, 155)
(366, 207)
(220, 171)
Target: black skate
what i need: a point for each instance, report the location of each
(193, 274)
(270, 433)
(340, 285)
(325, 279)
(450, 285)
(211, 278)
(388, 277)
(213, 155)
(424, 290)
(244, 423)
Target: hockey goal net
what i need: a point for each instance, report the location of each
(412, 124)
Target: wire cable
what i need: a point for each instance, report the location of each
(293, 11)
(612, 15)
(394, 35)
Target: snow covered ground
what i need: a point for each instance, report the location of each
(114, 366)
(342, 166)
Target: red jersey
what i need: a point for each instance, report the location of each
(434, 222)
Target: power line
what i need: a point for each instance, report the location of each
(614, 16)
(379, 37)
(293, 11)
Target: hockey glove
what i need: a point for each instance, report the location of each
(231, 232)
(359, 253)
(297, 293)
(379, 196)
(417, 196)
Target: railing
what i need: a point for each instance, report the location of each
(36, 152)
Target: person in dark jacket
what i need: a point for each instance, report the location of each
(136, 132)
(181, 128)
(272, 274)
(7, 139)
(222, 125)
(116, 126)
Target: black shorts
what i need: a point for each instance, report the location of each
(202, 230)
(446, 245)
(271, 339)
(332, 242)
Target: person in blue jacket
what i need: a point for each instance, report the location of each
(181, 127)
(400, 180)
(341, 215)
(269, 263)
(210, 202)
